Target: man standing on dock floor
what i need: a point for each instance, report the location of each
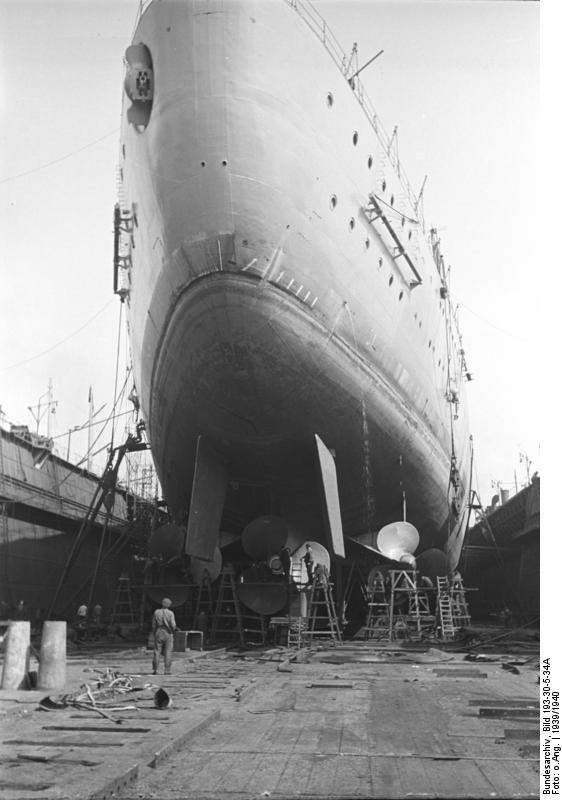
(163, 628)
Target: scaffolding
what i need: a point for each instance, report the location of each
(377, 625)
(400, 610)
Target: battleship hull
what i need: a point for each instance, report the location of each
(268, 300)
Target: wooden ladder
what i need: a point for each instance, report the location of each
(459, 605)
(322, 610)
(203, 604)
(253, 625)
(444, 605)
(296, 623)
(227, 608)
(123, 610)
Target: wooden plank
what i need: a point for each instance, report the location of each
(330, 685)
(30, 787)
(501, 713)
(522, 733)
(59, 743)
(459, 673)
(55, 758)
(493, 703)
(96, 728)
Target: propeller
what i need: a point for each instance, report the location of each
(264, 536)
(167, 541)
(173, 586)
(263, 587)
(398, 541)
(260, 591)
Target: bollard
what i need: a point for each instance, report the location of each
(52, 660)
(16, 657)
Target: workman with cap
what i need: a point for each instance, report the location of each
(163, 628)
(308, 559)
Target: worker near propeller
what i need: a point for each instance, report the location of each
(163, 628)
(308, 559)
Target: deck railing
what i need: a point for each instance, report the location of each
(323, 32)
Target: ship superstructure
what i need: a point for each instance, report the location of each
(280, 282)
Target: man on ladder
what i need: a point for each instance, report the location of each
(163, 628)
(308, 559)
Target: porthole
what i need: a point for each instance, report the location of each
(369, 162)
(391, 199)
(429, 344)
(409, 234)
(355, 137)
(383, 185)
(401, 295)
(391, 280)
(123, 150)
(203, 163)
(333, 201)
(351, 223)
(367, 244)
(330, 99)
(224, 163)
(380, 263)
(416, 315)
(402, 222)
(419, 323)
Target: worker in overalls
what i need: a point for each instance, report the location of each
(163, 628)
(308, 559)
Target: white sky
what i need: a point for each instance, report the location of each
(460, 79)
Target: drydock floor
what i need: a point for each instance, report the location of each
(357, 721)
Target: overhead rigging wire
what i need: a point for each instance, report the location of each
(491, 324)
(58, 160)
(62, 341)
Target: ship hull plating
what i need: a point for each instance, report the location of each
(265, 303)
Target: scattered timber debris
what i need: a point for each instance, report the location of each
(103, 695)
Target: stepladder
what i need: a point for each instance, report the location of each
(227, 617)
(459, 604)
(446, 625)
(123, 613)
(322, 620)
